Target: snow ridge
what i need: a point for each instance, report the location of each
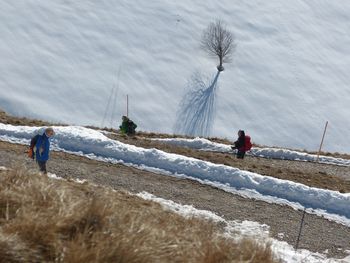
(273, 153)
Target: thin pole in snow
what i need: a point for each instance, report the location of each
(300, 229)
(127, 105)
(324, 133)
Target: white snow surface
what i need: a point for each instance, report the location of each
(273, 153)
(250, 229)
(60, 60)
(93, 144)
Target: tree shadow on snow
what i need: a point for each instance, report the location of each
(197, 108)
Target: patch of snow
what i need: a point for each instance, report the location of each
(186, 211)
(280, 235)
(77, 180)
(93, 144)
(80, 181)
(54, 176)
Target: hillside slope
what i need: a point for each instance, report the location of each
(60, 61)
(319, 233)
(79, 162)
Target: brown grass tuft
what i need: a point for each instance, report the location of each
(8, 119)
(47, 220)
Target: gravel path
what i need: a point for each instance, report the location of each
(318, 234)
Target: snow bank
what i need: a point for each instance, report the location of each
(237, 230)
(273, 153)
(93, 144)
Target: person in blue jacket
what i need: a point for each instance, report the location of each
(42, 145)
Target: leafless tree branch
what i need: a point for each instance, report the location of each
(219, 42)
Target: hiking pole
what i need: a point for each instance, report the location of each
(301, 227)
(319, 150)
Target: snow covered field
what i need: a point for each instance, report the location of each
(274, 153)
(95, 145)
(60, 60)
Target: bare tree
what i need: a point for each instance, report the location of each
(218, 42)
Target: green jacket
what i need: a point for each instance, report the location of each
(128, 127)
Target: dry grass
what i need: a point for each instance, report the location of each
(47, 220)
(7, 119)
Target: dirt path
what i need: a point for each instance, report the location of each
(324, 176)
(318, 235)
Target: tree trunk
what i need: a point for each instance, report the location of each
(220, 67)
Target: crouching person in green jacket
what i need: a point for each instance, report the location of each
(128, 127)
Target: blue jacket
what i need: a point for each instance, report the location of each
(42, 148)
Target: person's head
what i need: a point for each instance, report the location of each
(124, 118)
(241, 133)
(49, 132)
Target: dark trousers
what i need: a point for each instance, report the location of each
(42, 166)
(240, 154)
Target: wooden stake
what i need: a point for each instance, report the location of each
(324, 133)
(127, 106)
(300, 229)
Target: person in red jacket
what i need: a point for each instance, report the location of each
(239, 145)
